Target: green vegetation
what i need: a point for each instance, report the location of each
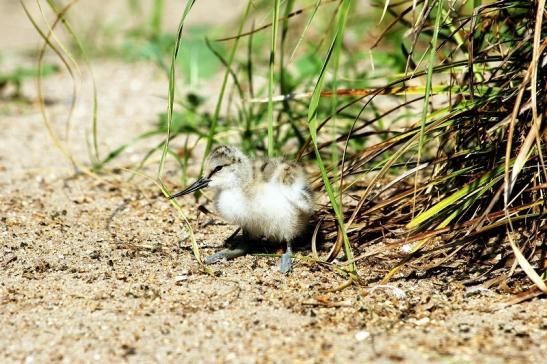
(424, 129)
(16, 77)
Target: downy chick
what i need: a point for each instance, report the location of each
(267, 198)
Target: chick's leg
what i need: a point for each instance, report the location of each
(227, 254)
(240, 248)
(286, 260)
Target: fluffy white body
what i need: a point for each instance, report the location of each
(267, 198)
(267, 209)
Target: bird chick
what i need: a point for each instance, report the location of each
(268, 198)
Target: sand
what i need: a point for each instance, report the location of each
(100, 269)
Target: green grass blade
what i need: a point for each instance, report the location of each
(216, 115)
(313, 125)
(462, 193)
(308, 23)
(171, 91)
(275, 22)
(95, 106)
(429, 78)
(156, 19)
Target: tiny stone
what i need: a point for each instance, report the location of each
(231, 356)
(180, 278)
(362, 335)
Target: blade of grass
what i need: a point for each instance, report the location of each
(218, 106)
(171, 90)
(41, 98)
(313, 124)
(428, 84)
(453, 198)
(271, 71)
(156, 19)
(525, 265)
(95, 106)
(308, 23)
(165, 150)
(60, 19)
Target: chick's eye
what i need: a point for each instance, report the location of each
(217, 168)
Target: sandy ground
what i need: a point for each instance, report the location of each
(101, 270)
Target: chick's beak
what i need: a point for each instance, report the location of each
(198, 185)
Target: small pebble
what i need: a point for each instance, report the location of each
(477, 290)
(180, 279)
(362, 335)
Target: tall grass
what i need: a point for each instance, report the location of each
(423, 133)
